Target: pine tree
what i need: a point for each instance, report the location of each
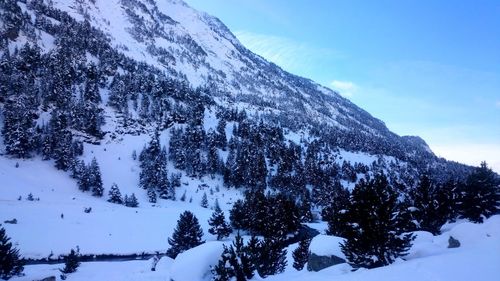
(62, 152)
(18, 127)
(305, 210)
(218, 224)
(447, 195)
(253, 248)
(77, 169)
(272, 258)
(187, 234)
(257, 216)
(118, 94)
(151, 195)
(175, 180)
(282, 216)
(61, 139)
(71, 262)
(214, 162)
(131, 201)
(480, 195)
(91, 90)
(235, 262)
(84, 181)
(114, 195)
(10, 263)
(167, 187)
(374, 237)
(233, 173)
(221, 140)
(154, 166)
(301, 254)
(424, 200)
(335, 213)
(176, 148)
(204, 201)
(194, 138)
(95, 178)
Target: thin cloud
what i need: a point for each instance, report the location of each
(345, 88)
(292, 56)
(497, 104)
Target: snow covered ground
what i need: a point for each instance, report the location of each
(478, 258)
(57, 222)
(115, 229)
(126, 271)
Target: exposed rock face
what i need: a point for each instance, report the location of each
(51, 278)
(317, 263)
(453, 243)
(12, 221)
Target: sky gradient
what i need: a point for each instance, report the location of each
(426, 68)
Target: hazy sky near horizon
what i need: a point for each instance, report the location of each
(424, 67)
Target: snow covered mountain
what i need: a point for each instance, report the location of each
(198, 47)
(191, 46)
(165, 103)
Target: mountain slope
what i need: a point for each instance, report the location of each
(192, 47)
(189, 44)
(172, 109)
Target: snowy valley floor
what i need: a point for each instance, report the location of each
(478, 258)
(115, 229)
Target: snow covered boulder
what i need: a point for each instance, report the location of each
(196, 263)
(325, 252)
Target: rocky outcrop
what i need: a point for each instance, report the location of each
(51, 278)
(317, 263)
(453, 243)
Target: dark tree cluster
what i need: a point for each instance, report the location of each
(375, 229)
(89, 178)
(433, 204)
(377, 219)
(130, 201)
(268, 215)
(430, 205)
(154, 176)
(480, 195)
(240, 261)
(194, 150)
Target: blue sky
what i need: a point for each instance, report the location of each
(427, 68)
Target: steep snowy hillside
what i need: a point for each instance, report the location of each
(116, 116)
(190, 45)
